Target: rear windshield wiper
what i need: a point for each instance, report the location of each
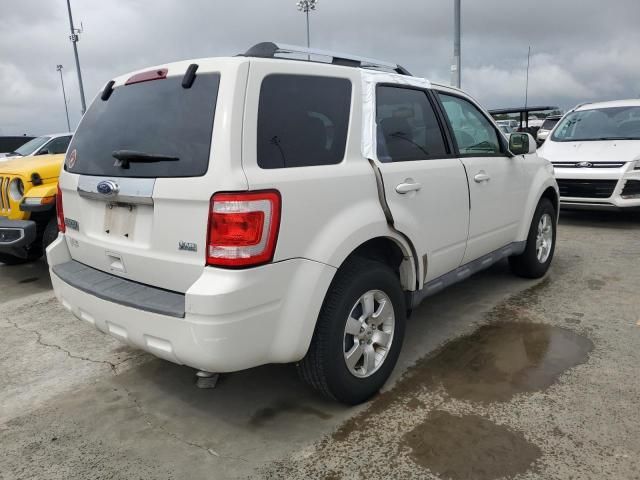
(125, 157)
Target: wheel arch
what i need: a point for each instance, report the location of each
(544, 186)
(391, 251)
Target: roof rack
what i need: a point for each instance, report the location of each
(271, 50)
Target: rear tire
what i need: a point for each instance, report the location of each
(541, 243)
(50, 234)
(362, 322)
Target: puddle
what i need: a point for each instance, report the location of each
(468, 447)
(502, 359)
(264, 415)
(492, 364)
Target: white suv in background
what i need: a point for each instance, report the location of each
(225, 213)
(595, 150)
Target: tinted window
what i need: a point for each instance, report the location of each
(475, 134)
(549, 123)
(57, 145)
(157, 117)
(407, 126)
(302, 120)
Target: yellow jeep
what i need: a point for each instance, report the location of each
(28, 224)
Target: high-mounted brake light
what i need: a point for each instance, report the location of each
(147, 76)
(59, 212)
(243, 228)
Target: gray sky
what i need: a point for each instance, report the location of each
(583, 50)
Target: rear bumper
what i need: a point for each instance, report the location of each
(16, 236)
(233, 320)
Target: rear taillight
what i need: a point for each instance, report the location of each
(59, 212)
(243, 228)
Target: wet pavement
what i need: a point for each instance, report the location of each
(499, 378)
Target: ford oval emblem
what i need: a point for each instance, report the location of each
(584, 164)
(107, 188)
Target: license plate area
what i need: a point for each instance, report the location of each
(120, 220)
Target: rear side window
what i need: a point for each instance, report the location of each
(407, 126)
(302, 120)
(157, 117)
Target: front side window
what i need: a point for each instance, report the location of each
(302, 120)
(615, 123)
(407, 126)
(474, 133)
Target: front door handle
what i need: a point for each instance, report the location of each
(482, 177)
(407, 187)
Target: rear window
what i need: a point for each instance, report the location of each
(302, 120)
(157, 117)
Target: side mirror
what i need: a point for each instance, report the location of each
(522, 144)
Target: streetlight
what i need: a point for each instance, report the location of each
(75, 37)
(306, 6)
(64, 97)
(456, 65)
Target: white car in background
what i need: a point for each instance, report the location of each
(52, 144)
(548, 124)
(595, 150)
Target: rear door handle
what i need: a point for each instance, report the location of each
(482, 177)
(408, 187)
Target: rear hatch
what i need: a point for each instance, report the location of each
(141, 169)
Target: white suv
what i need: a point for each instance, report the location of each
(595, 150)
(225, 213)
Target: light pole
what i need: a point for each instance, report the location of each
(74, 37)
(64, 97)
(456, 74)
(306, 6)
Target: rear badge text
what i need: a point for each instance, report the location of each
(188, 246)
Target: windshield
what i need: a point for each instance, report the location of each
(31, 146)
(157, 120)
(615, 123)
(549, 123)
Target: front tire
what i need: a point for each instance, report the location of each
(541, 243)
(359, 333)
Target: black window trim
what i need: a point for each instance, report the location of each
(504, 147)
(448, 145)
(349, 118)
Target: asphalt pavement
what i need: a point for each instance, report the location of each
(499, 377)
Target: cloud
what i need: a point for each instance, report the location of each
(581, 50)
